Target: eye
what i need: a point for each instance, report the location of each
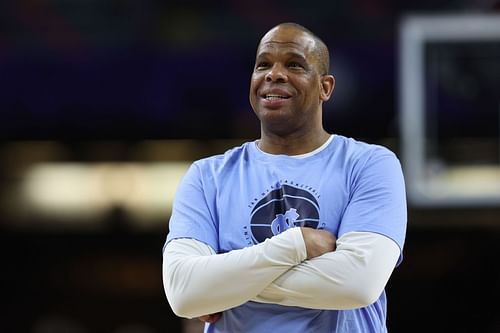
(295, 65)
(262, 65)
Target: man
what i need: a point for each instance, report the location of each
(298, 231)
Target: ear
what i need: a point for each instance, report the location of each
(327, 87)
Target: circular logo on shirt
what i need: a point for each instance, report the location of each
(283, 208)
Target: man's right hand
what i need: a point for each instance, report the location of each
(211, 318)
(318, 241)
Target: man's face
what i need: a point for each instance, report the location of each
(285, 86)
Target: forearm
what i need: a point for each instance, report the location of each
(351, 277)
(199, 282)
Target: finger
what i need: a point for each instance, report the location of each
(211, 318)
(216, 317)
(204, 318)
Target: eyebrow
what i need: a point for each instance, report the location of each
(291, 54)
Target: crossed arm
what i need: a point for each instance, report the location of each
(299, 267)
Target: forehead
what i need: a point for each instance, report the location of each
(287, 40)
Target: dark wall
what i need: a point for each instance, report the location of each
(153, 69)
(73, 282)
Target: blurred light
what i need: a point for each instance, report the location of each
(464, 182)
(82, 191)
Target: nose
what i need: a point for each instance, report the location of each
(276, 74)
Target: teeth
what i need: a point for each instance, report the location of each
(274, 97)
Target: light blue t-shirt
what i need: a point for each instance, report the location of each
(244, 196)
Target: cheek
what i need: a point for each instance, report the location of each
(255, 81)
(313, 91)
(254, 87)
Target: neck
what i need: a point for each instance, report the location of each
(293, 144)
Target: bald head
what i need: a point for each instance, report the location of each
(318, 48)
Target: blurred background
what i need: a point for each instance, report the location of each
(104, 104)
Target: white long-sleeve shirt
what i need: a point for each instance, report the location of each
(198, 282)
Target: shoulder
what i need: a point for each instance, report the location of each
(213, 168)
(230, 157)
(358, 149)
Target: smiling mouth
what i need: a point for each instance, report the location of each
(270, 97)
